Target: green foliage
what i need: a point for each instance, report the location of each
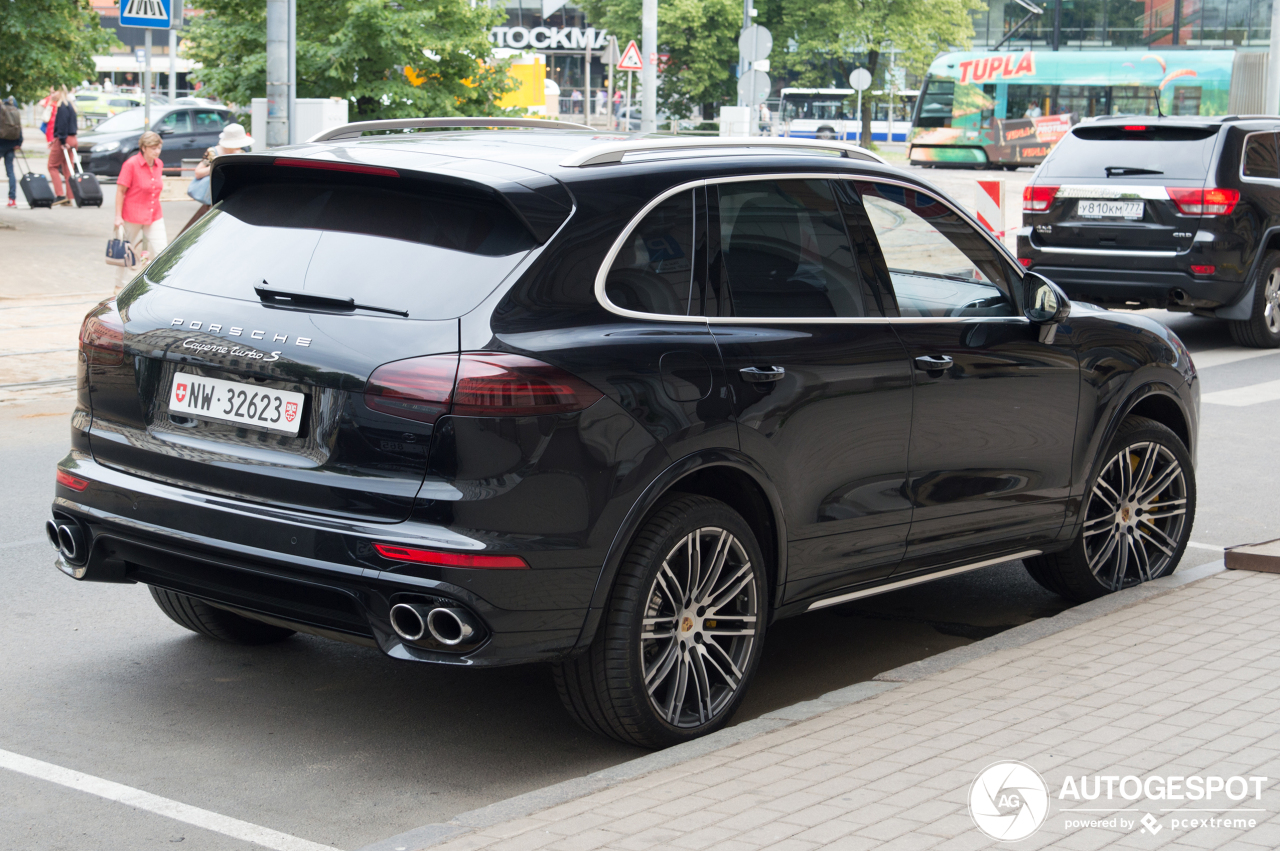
(701, 37)
(48, 43)
(358, 50)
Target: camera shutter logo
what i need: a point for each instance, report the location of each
(1008, 801)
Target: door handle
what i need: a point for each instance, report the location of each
(757, 376)
(934, 363)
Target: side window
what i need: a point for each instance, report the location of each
(938, 264)
(1260, 159)
(785, 250)
(654, 270)
(209, 121)
(177, 122)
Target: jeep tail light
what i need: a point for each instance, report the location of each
(447, 559)
(1204, 202)
(102, 336)
(415, 388)
(67, 480)
(503, 385)
(1026, 262)
(1203, 270)
(1037, 199)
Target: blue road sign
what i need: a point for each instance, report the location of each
(155, 14)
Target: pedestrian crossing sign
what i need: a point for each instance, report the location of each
(156, 14)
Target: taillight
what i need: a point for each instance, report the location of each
(416, 388)
(102, 336)
(1204, 202)
(330, 165)
(67, 480)
(1203, 270)
(501, 385)
(445, 559)
(1037, 199)
(1026, 262)
(475, 384)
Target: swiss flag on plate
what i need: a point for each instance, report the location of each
(290, 411)
(180, 393)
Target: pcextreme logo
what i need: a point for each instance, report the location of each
(1008, 801)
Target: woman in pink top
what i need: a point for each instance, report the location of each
(138, 199)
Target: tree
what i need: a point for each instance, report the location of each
(700, 37)
(48, 43)
(359, 50)
(824, 37)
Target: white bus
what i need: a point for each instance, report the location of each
(831, 114)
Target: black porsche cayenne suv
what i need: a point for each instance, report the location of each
(491, 396)
(1181, 213)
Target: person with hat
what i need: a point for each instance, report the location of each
(232, 140)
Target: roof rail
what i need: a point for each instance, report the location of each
(613, 152)
(356, 128)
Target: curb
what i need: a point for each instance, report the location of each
(568, 790)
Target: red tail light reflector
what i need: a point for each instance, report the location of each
(1135, 128)
(1203, 270)
(1037, 199)
(503, 385)
(1204, 202)
(67, 480)
(102, 336)
(329, 165)
(416, 388)
(444, 559)
(1025, 261)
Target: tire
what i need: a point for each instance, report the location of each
(212, 622)
(1119, 545)
(1262, 329)
(605, 688)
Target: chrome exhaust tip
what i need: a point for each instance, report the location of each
(451, 626)
(51, 530)
(409, 620)
(70, 542)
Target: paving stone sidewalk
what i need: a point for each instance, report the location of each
(1181, 683)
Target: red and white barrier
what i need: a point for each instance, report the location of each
(990, 206)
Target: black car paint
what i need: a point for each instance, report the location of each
(1233, 244)
(568, 492)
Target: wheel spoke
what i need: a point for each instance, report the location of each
(1099, 524)
(1141, 561)
(670, 586)
(675, 699)
(717, 565)
(1165, 510)
(1158, 537)
(1110, 496)
(702, 684)
(648, 629)
(1100, 559)
(661, 668)
(733, 676)
(1122, 564)
(1150, 492)
(1145, 466)
(730, 589)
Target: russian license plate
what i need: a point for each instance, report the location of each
(1109, 209)
(235, 402)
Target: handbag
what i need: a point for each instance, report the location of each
(120, 251)
(201, 189)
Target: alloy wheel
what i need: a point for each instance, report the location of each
(700, 624)
(1136, 516)
(1271, 302)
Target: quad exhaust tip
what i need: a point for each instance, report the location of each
(68, 538)
(449, 626)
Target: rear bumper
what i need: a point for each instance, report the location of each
(318, 576)
(1147, 287)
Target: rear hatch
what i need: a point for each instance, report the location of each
(1117, 187)
(236, 365)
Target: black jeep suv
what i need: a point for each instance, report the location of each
(1178, 213)
(488, 396)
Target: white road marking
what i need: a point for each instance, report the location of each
(1254, 394)
(1229, 354)
(138, 799)
(1193, 545)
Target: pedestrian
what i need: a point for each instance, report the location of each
(61, 136)
(138, 199)
(231, 140)
(575, 102)
(602, 98)
(10, 141)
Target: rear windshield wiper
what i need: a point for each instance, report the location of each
(1113, 170)
(296, 299)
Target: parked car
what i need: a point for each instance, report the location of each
(485, 397)
(1181, 213)
(93, 107)
(187, 132)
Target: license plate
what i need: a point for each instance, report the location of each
(235, 402)
(1109, 209)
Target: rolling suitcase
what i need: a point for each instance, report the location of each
(84, 187)
(35, 187)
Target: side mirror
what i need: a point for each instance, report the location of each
(165, 131)
(1046, 304)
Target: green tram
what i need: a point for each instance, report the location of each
(1007, 109)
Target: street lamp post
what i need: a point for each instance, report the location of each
(649, 76)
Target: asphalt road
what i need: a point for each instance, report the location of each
(341, 746)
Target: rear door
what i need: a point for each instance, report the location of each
(994, 414)
(179, 138)
(206, 124)
(821, 385)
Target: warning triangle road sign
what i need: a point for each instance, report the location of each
(631, 60)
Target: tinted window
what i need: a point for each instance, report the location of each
(785, 250)
(1260, 156)
(432, 252)
(1183, 152)
(654, 270)
(178, 122)
(939, 265)
(209, 121)
(133, 119)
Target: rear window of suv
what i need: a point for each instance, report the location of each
(1184, 152)
(434, 251)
